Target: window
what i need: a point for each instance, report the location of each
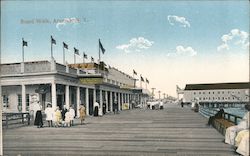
(213, 98)
(194, 93)
(218, 98)
(209, 98)
(199, 92)
(228, 98)
(200, 98)
(213, 92)
(203, 92)
(5, 101)
(19, 102)
(238, 92)
(222, 92)
(203, 98)
(208, 92)
(218, 92)
(222, 98)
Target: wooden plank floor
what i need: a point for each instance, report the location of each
(172, 131)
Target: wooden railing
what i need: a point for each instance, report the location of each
(230, 117)
(15, 118)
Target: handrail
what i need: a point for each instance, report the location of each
(226, 116)
(15, 116)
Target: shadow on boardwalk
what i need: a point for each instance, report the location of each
(172, 131)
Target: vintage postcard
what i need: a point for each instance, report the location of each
(124, 77)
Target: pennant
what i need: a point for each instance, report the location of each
(25, 43)
(134, 72)
(142, 79)
(85, 56)
(101, 47)
(53, 41)
(65, 45)
(92, 59)
(147, 81)
(76, 51)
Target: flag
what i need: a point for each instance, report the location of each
(65, 45)
(142, 79)
(178, 88)
(25, 43)
(134, 72)
(76, 51)
(101, 47)
(147, 81)
(85, 56)
(53, 41)
(92, 59)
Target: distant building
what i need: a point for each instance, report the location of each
(217, 93)
(69, 85)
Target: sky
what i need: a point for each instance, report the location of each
(168, 42)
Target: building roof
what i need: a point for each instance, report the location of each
(214, 86)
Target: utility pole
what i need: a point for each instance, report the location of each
(153, 89)
(159, 94)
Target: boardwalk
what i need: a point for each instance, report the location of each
(172, 131)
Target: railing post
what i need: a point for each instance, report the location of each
(28, 118)
(6, 120)
(22, 118)
(235, 120)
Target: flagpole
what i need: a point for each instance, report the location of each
(99, 56)
(83, 57)
(63, 55)
(22, 50)
(74, 58)
(140, 82)
(51, 52)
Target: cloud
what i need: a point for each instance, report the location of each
(136, 44)
(62, 22)
(177, 20)
(182, 51)
(235, 36)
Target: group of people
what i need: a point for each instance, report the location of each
(238, 135)
(57, 117)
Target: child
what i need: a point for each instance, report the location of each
(57, 117)
(72, 115)
(67, 119)
(49, 115)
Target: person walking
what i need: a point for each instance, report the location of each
(39, 118)
(82, 112)
(49, 114)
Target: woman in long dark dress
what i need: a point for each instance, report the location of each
(39, 117)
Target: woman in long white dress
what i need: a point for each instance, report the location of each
(232, 131)
(243, 147)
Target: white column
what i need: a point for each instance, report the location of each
(122, 99)
(77, 101)
(67, 96)
(111, 102)
(119, 101)
(101, 103)
(87, 101)
(53, 95)
(106, 97)
(23, 98)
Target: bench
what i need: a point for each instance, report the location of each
(222, 124)
(15, 118)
